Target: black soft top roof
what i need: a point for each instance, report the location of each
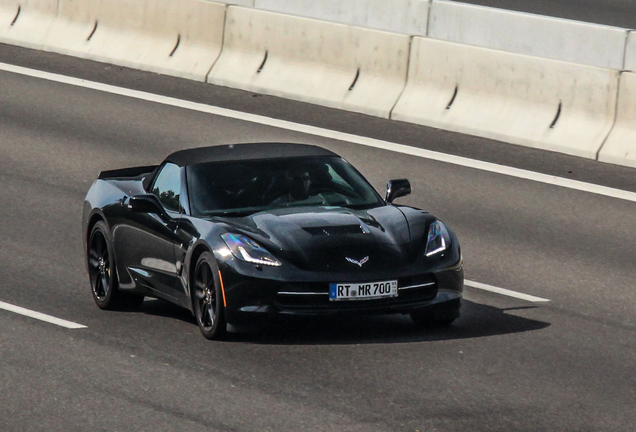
(238, 152)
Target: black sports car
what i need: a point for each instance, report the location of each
(239, 234)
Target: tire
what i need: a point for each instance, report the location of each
(207, 298)
(102, 272)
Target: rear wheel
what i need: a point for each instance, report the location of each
(102, 274)
(207, 298)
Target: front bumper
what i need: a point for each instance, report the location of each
(252, 301)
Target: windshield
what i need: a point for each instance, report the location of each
(245, 187)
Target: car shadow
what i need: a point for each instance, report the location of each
(165, 309)
(477, 320)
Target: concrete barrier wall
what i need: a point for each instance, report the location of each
(568, 106)
(249, 3)
(509, 97)
(523, 33)
(630, 52)
(620, 147)
(175, 37)
(399, 16)
(336, 65)
(26, 22)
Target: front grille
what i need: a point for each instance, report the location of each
(315, 295)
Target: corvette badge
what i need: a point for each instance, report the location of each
(359, 263)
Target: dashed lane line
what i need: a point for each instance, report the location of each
(40, 316)
(505, 292)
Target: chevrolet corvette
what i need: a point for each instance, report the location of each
(240, 234)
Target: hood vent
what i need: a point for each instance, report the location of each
(335, 230)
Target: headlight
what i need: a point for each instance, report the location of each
(438, 239)
(248, 250)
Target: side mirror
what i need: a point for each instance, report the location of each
(397, 188)
(147, 204)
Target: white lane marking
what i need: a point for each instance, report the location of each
(505, 292)
(326, 133)
(40, 316)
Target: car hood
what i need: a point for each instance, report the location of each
(333, 238)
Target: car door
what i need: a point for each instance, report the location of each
(147, 243)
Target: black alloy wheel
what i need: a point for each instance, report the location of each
(208, 298)
(102, 274)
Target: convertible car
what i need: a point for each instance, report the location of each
(240, 234)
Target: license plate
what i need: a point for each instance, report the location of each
(363, 291)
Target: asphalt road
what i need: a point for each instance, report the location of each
(619, 13)
(505, 365)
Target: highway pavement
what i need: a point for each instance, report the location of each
(507, 364)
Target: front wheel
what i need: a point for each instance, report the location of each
(207, 298)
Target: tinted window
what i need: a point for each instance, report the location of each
(167, 187)
(252, 186)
